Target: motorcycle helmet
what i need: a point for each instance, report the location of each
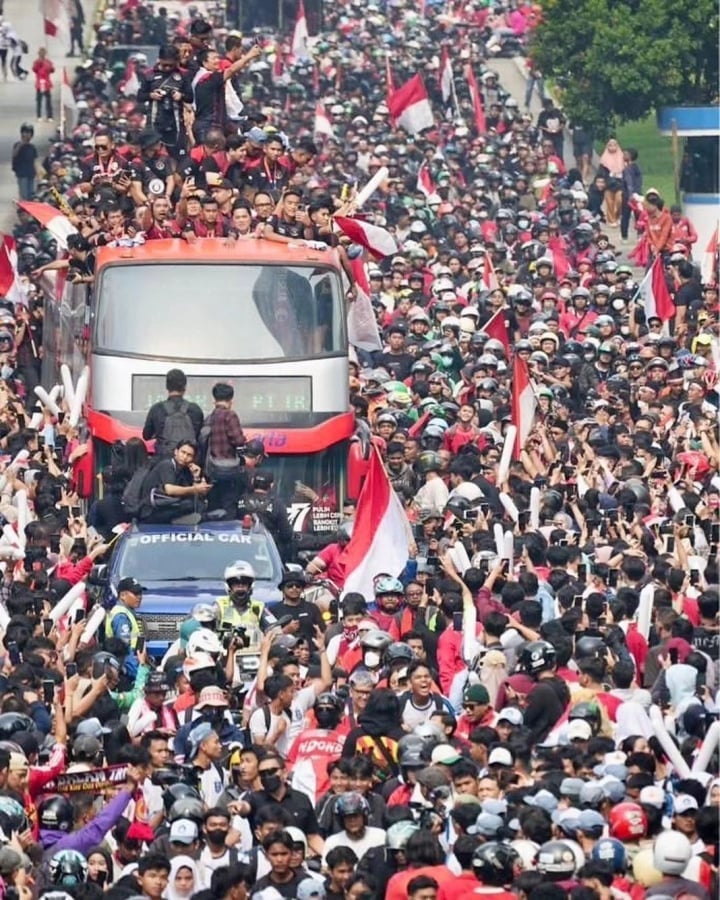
(204, 641)
(671, 853)
(496, 864)
(627, 822)
(556, 860)
(344, 532)
(643, 868)
(611, 851)
(589, 647)
(68, 868)
(352, 804)
(239, 571)
(103, 661)
(205, 613)
(187, 808)
(429, 461)
(397, 653)
(12, 722)
(431, 736)
(179, 791)
(13, 816)
(374, 643)
(327, 709)
(399, 834)
(587, 712)
(536, 657)
(56, 813)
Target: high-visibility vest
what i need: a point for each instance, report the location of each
(135, 626)
(232, 616)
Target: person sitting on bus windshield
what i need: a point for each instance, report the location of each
(174, 489)
(174, 419)
(287, 224)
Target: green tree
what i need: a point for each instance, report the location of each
(616, 62)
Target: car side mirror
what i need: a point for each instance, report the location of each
(99, 575)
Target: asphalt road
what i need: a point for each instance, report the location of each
(17, 98)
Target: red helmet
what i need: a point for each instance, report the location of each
(628, 822)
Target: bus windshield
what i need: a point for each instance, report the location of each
(206, 312)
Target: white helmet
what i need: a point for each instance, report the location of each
(526, 850)
(203, 641)
(205, 612)
(238, 570)
(671, 853)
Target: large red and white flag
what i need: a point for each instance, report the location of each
(59, 226)
(376, 240)
(300, 35)
(130, 84)
(410, 107)
(654, 293)
(68, 104)
(709, 264)
(323, 125)
(55, 18)
(477, 102)
(381, 533)
(362, 325)
(446, 76)
(425, 184)
(11, 287)
(497, 329)
(489, 277)
(523, 403)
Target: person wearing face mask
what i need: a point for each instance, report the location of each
(239, 608)
(211, 709)
(312, 751)
(216, 853)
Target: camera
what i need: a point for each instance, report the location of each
(230, 634)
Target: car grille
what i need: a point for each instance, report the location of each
(163, 628)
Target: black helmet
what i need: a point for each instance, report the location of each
(412, 751)
(13, 816)
(588, 647)
(495, 864)
(536, 657)
(176, 792)
(56, 814)
(101, 661)
(327, 709)
(587, 712)
(397, 653)
(458, 506)
(187, 808)
(68, 867)
(429, 461)
(12, 722)
(556, 860)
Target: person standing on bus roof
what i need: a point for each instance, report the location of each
(173, 420)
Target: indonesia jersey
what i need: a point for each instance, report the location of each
(308, 761)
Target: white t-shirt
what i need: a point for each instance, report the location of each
(373, 837)
(412, 715)
(432, 495)
(302, 702)
(211, 784)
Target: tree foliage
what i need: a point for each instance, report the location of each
(617, 61)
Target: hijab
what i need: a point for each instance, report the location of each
(177, 863)
(613, 160)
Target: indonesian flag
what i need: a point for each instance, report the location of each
(10, 285)
(130, 84)
(478, 111)
(489, 278)
(381, 533)
(409, 106)
(362, 325)
(54, 16)
(446, 76)
(709, 265)
(425, 183)
(378, 241)
(654, 293)
(323, 125)
(278, 68)
(523, 403)
(59, 226)
(497, 329)
(67, 101)
(300, 35)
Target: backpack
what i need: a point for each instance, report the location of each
(132, 496)
(178, 426)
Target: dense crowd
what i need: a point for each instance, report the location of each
(528, 710)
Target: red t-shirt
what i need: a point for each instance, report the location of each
(334, 568)
(397, 886)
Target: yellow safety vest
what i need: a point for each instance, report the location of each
(135, 626)
(231, 615)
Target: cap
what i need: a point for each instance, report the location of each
(18, 762)
(592, 794)
(543, 800)
(444, 755)
(130, 584)
(486, 825)
(500, 756)
(510, 714)
(310, 889)
(566, 820)
(256, 135)
(432, 777)
(571, 787)
(613, 789)
(579, 730)
(183, 831)
(652, 795)
(477, 693)
(197, 736)
(591, 822)
(683, 804)
(211, 696)
(93, 727)
(86, 747)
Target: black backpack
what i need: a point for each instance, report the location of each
(132, 496)
(177, 428)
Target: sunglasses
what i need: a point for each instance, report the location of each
(274, 771)
(102, 146)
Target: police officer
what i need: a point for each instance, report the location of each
(122, 622)
(261, 502)
(238, 608)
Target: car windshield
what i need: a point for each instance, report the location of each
(201, 555)
(183, 312)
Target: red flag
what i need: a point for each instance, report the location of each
(59, 226)
(446, 76)
(278, 66)
(478, 111)
(379, 242)
(380, 537)
(323, 125)
(709, 265)
(490, 279)
(497, 329)
(654, 293)
(424, 181)
(300, 35)
(130, 84)
(10, 285)
(53, 14)
(523, 403)
(410, 107)
(362, 325)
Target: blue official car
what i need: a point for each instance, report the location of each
(181, 565)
